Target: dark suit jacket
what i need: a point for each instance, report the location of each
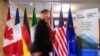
(42, 41)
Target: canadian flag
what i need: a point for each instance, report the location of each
(12, 44)
(8, 43)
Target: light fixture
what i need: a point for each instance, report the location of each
(65, 8)
(31, 4)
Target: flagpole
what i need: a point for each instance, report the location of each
(34, 6)
(51, 5)
(50, 13)
(25, 6)
(17, 3)
(70, 5)
(50, 23)
(43, 5)
(61, 6)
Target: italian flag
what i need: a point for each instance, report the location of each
(34, 22)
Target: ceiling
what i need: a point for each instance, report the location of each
(56, 4)
(64, 1)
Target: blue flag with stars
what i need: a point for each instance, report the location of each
(70, 35)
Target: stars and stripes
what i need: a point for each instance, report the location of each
(59, 42)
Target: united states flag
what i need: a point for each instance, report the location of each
(59, 40)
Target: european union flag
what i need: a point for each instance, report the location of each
(70, 35)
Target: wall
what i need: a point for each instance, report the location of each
(3, 14)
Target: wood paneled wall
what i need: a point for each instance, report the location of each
(3, 14)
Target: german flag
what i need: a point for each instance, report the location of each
(26, 35)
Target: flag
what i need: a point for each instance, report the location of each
(52, 27)
(60, 42)
(70, 34)
(52, 23)
(26, 30)
(8, 44)
(18, 45)
(34, 22)
(26, 35)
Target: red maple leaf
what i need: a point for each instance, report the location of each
(8, 33)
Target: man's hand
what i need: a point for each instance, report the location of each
(37, 54)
